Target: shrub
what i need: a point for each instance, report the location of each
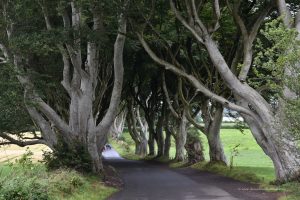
(22, 188)
(26, 161)
(24, 181)
(65, 182)
(73, 156)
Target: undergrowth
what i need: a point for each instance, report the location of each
(25, 180)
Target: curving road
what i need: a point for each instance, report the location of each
(150, 181)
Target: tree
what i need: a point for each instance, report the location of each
(137, 134)
(81, 40)
(267, 127)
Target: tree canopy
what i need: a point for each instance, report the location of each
(77, 69)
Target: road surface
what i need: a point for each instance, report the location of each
(150, 181)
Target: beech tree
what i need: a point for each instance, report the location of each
(137, 129)
(83, 35)
(266, 123)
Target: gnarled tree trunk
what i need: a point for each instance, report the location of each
(151, 135)
(267, 128)
(181, 137)
(213, 115)
(194, 150)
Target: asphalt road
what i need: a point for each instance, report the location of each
(150, 181)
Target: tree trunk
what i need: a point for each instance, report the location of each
(150, 122)
(131, 123)
(118, 126)
(167, 143)
(216, 151)
(95, 153)
(151, 145)
(137, 148)
(181, 138)
(277, 143)
(194, 150)
(143, 133)
(159, 135)
(143, 148)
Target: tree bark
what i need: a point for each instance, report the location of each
(167, 143)
(117, 128)
(181, 137)
(194, 151)
(143, 133)
(216, 151)
(159, 132)
(150, 122)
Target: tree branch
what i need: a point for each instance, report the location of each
(118, 73)
(217, 14)
(11, 140)
(184, 22)
(199, 86)
(164, 86)
(66, 82)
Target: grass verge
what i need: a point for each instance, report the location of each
(25, 180)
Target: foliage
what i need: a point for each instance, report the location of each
(234, 152)
(193, 135)
(22, 187)
(25, 161)
(65, 181)
(125, 146)
(276, 51)
(277, 66)
(21, 182)
(193, 146)
(66, 155)
(25, 180)
(292, 111)
(13, 116)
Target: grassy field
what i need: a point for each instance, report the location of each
(249, 156)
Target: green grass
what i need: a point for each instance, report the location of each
(249, 153)
(250, 156)
(28, 180)
(92, 190)
(125, 147)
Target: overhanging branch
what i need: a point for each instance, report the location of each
(198, 85)
(11, 140)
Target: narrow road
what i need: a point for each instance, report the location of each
(149, 181)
